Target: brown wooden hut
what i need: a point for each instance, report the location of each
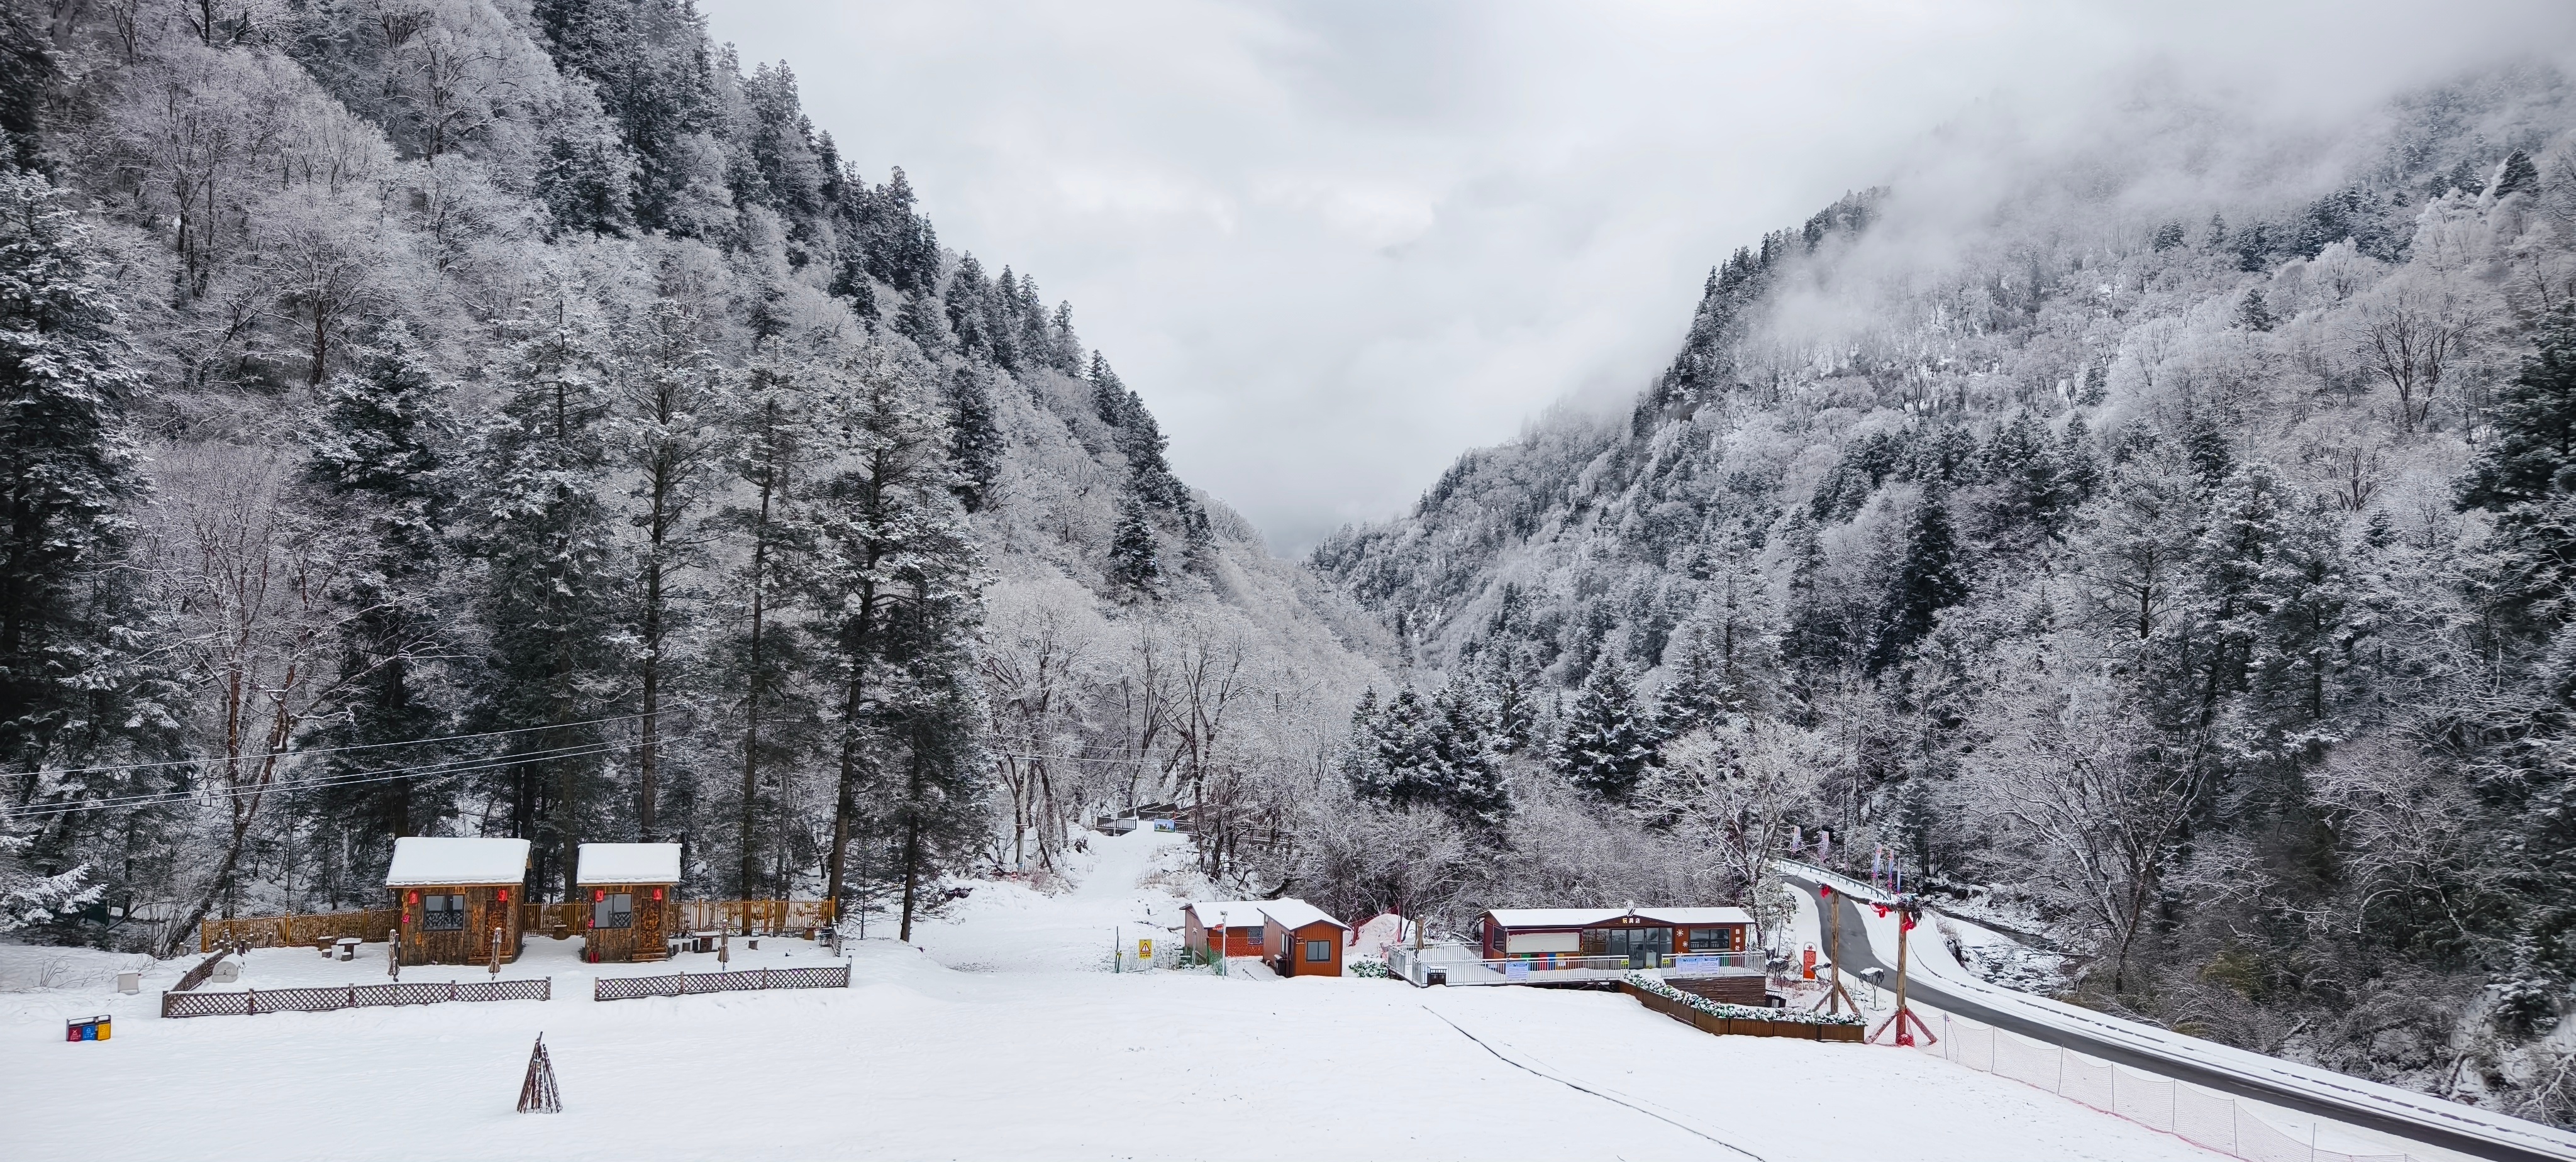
(1303, 940)
(453, 893)
(634, 896)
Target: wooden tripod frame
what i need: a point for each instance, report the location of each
(1836, 998)
(1903, 1019)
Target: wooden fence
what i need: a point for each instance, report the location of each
(197, 976)
(300, 931)
(297, 931)
(1741, 1027)
(249, 1002)
(754, 915)
(624, 988)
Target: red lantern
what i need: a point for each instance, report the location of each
(505, 895)
(657, 893)
(415, 897)
(598, 895)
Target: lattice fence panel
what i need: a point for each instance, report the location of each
(323, 1000)
(227, 1004)
(627, 988)
(621, 988)
(835, 977)
(318, 1000)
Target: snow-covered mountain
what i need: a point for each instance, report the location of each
(2151, 533)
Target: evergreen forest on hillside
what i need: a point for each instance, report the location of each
(517, 418)
(2174, 573)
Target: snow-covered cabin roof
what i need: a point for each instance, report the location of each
(421, 860)
(1592, 917)
(1226, 913)
(629, 863)
(1293, 914)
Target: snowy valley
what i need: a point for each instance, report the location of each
(2139, 543)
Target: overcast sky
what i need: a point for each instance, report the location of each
(1335, 245)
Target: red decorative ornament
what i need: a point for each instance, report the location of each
(505, 895)
(1825, 889)
(415, 897)
(657, 893)
(598, 895)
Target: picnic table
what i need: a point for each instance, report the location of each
(348, 946)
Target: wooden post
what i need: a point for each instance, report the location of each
(1836, 997)
(496, 951)
(393, 953)
(1903, 1019)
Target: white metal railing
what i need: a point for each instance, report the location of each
(1715, 963)
(1461, 967)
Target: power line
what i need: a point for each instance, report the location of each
(297, 754)
(385, 775)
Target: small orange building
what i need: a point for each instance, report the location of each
(454, 894)
(1224, 927)
(1304, 941)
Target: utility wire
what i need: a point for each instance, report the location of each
(297, 754)
(384, 775)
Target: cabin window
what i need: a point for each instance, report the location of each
(1710, 940)
(442, 913)
(613, 911)
(1256, 936)
(1319, 952)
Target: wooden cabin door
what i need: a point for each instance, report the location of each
(648, 925)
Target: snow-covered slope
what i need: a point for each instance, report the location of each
(1040, 1057)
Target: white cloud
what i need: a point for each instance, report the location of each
(1335, 245)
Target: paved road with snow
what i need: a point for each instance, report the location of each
(2410, 1116)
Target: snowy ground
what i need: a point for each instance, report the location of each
(999, 1037)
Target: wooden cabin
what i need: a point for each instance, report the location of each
(1234, 927)
(634, 893)
(1647, 937)
(1303, 940)
(453, 893)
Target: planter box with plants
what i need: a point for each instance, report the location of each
(1738, 1020)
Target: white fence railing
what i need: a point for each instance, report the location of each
(2208, 1120)
(1459, 966)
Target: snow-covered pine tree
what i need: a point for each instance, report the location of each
(537, 520)
(759, 658)
(1925, 582)
(975, 440)
(69, 470)
(2521, 479)
(1608, 744)
(1462, 777)
(893, 585)
(664, 434)
(1135, 560)
(379, 452)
